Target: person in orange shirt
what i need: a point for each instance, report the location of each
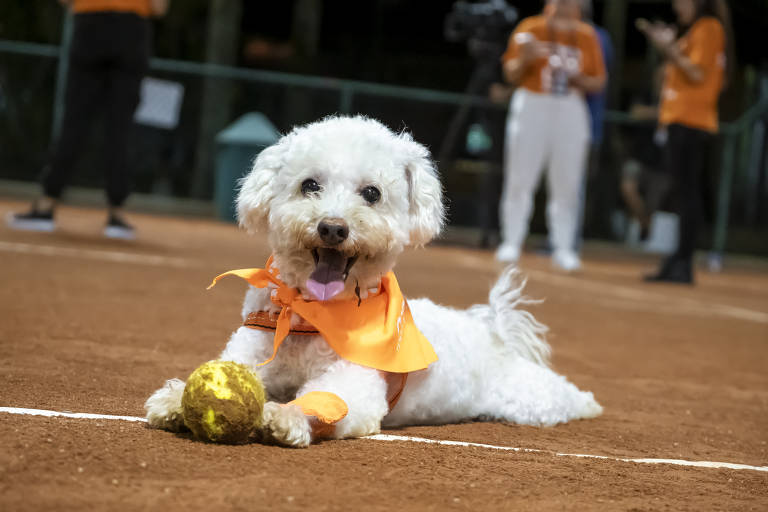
(554, 59)
(694, 76)
(108, 57)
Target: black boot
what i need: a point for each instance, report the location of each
(673, 270)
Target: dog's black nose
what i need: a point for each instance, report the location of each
(333, 231)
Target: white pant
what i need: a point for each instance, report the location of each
(549, 131)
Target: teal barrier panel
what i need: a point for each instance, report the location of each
(236, 147)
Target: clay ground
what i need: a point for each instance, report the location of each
(90, 325)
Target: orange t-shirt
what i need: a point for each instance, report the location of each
(695, 104)
(579, 49)
(140, 7)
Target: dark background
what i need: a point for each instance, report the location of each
(397, 42)
(388, 41)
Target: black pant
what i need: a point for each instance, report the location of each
(685, 160)
(107, 61)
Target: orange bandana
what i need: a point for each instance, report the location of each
(377, 332)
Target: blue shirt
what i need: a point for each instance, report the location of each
(596, 102)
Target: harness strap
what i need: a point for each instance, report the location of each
(263, 321)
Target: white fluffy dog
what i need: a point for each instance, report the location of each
(348, 194)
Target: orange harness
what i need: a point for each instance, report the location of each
(264, 321)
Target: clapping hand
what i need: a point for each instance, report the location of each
(531, 48)
(661, 35)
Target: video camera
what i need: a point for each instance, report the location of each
(485, 25)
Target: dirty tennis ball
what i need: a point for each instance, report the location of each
(223, 402)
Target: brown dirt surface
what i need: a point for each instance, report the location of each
(93, 325)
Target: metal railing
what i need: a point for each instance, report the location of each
(347, 90)
(732, 132)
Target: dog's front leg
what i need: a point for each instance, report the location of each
(365, 392)
(360, 391)
(163, 407)
(286, 424)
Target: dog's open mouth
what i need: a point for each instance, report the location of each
(331, 271)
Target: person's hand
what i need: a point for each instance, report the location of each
(577, 80)
(586, 83)
(661, 35)
(664, 37)
(531, 49)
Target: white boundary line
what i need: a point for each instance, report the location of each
(387, 437)
(78, 415)
(676, 462)
(96, 254)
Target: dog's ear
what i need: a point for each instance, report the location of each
(425, 195)
(257, 189)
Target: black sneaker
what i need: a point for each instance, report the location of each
(672, 271)
(33, 220)
(118, 228)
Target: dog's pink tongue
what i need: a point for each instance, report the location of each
(325, 291)
(327, 280)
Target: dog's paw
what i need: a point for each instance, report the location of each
(286, 425)
(164, 407)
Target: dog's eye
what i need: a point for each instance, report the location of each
(308, 186)
(370, 194)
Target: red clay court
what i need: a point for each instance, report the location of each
(94, 326)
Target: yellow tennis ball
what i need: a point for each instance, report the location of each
(223, 402)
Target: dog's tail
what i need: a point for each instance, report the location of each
(516, 329)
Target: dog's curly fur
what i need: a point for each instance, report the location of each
(493, 361)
